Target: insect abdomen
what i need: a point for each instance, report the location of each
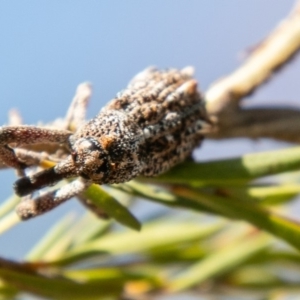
(170, 111)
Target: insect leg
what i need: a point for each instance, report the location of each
(30, 208)
(77, 111)
(28, 184)
(25, 135)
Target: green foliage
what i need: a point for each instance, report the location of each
(230, 230)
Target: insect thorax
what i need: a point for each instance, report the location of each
(115, 151)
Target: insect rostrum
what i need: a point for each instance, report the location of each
(153, 124)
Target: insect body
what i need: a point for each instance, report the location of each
(153, 124)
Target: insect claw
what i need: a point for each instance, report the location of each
(26, 210)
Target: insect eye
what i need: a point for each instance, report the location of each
(91, 145)
(85, 145)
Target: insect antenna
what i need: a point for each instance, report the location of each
(28, 184)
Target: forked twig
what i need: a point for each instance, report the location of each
(223, 98)
(274, 52)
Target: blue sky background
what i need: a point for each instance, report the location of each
(48, 47)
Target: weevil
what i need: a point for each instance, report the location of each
(152, 125)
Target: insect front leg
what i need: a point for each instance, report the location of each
(26, 135)
(28, 184)
(30, 208)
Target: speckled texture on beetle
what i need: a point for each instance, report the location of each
(148, 128)
(152, 125)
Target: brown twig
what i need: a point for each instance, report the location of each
(77, 111)
(281, 124)
(271, 54)
(223, 98)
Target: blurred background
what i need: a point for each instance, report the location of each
(49, 47)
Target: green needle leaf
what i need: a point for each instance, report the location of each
(267, 195)
(59, 287)
(54, 242)
(111, 206)
(234, 171)
(284, 228)
(158, 234)
(8, 205)
(220, 261)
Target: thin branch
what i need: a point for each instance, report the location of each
(77, 111)
(271, 54)
(223, 98)
(276, 123)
